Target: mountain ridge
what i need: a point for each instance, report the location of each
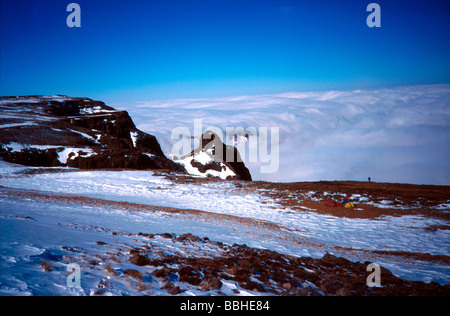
(78, 132)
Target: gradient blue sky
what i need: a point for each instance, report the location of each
(163, 49)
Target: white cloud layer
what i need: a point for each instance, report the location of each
(394, 135)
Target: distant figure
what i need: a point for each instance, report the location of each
(369, 179)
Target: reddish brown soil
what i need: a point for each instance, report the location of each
(270, 272)
(409, 199)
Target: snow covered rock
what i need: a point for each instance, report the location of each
(76, 132)
(215, 159)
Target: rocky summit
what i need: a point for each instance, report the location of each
(52, 131)
(216, 159)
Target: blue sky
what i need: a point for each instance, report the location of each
(141, 50)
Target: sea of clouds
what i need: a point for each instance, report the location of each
(399, 134)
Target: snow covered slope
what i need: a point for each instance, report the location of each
(132, 232)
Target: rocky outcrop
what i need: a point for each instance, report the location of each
(266, 271)
(216, 159)
(53, 131)
(75, 132)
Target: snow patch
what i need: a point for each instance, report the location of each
(134, 136)
(3, 126)
(84, 135)
(94, 110)
(205, 158)
(65, 154)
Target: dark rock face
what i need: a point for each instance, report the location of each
(75, 132)
(214, 158)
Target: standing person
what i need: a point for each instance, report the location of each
(369, 179)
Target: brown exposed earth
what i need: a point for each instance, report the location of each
(257, 270)
(409, 198)
(263, 271)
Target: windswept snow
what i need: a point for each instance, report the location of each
(37, 232)
(236, 215)
(391, 233)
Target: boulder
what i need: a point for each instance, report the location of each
(213, 158)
